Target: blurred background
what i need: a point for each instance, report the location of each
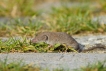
(20, 8)
(28, 17)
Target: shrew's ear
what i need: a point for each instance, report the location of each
(45, 37)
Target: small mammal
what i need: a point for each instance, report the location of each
(61, 38)
(56, 37)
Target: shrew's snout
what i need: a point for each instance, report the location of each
(33, 41)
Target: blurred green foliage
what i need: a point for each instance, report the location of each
(17, 8)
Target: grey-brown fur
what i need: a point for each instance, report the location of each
(56, 37)
(62, 38)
